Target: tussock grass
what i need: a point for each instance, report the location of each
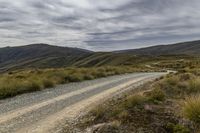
(155, 95)
(179, 85)
(133, 101)
(48, 83)
(122, 110)
(194, 85)
(11, 87)
(177, 128)
(191, 108)
(119, 111)
(18, 82)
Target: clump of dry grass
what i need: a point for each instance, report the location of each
(155, 95)
(194, 85)
(11, 87)
(132, 101)
(191, 108)
(48, 83)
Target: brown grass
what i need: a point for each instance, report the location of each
(18, 82)
(191, 108)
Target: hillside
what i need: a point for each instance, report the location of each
(39, 55)
(147, 55)
(185, 48)
(47, 56)
(113, 59)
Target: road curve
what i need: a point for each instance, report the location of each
(46, 111)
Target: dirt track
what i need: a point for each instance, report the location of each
(46, 111)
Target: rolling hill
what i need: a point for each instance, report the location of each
(143, 55)
(39, 55)
(48, 56)
(185, 48)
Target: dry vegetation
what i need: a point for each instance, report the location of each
(169, 105)
(18, 82)
(191, 108)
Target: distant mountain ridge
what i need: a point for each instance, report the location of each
(39, 55)
(185, 48)
(48, 56)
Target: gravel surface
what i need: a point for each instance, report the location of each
(29, 109)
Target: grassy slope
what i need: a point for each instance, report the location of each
(184, 48)
(47, 56)
(120, 59)
(39, 56)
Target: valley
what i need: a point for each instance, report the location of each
(47, 88)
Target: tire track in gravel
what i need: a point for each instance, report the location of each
(17, 118)
(28, 99)
(17, 113)
(50, 120)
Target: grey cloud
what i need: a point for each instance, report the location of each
(98, 25)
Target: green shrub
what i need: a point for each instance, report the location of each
(88, 77)
(99, 74)
(177, 128)
(48, 83)
(156, 95)
(191, 108)
(33, 86)
(132, 101)
(173, 80)
(74, 78)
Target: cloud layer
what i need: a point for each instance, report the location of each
(98, 25)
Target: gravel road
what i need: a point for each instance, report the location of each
(46, 111)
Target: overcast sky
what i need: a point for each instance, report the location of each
(98, 24)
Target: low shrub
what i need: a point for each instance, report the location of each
(172, 80)
(133, 100)
(88, 77)
(177, 128)
(74, 78)
(48, 83)
(33, 86)
(99, 74)
(156, 95)
(194, 85)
